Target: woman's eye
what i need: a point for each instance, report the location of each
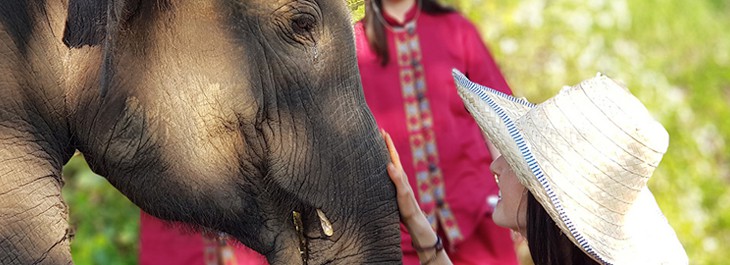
(302, 24)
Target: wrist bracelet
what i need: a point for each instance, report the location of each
(437, 247)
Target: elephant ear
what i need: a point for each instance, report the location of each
(87, 20)
(85, 23)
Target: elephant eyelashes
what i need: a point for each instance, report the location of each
(303, 24)
(326, 225)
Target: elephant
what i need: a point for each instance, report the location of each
(240, 116)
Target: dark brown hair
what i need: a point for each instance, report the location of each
(375, 30)
(548, 245)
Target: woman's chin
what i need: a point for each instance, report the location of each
(498, 216)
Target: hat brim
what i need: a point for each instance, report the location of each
(495, 113)
(651, 236)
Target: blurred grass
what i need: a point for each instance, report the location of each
(673, 55)
(106, 224)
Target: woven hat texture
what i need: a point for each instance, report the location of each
(586, 155)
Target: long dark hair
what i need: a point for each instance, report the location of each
(375, 30)
(548, 245)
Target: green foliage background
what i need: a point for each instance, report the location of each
(105, 223)
(673, 55)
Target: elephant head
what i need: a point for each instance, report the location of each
(246, 117)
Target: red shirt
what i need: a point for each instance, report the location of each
(446, 41)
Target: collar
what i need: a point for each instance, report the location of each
(407, 18)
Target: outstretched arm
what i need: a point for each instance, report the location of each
(411, 215)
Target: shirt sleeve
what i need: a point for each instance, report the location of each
(480, 65)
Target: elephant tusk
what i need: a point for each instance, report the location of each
(326, 225)
(299, 227)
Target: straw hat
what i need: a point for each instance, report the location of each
(586, 155)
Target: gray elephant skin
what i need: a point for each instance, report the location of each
(228, 115)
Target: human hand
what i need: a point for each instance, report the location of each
(410, 212)
(411, 215)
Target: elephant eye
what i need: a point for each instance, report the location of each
(303, 23)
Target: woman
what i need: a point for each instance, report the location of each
(572, 175)
(406, 50)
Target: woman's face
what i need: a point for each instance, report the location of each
(512, 205)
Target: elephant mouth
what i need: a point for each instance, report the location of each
(302, 245)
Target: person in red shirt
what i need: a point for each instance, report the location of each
(406, 50)
(163, 242)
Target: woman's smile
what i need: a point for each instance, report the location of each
(509, 211)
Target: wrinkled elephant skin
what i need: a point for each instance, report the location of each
(225, 114)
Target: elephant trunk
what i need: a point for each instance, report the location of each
(375, 242)
(34, 218)
(365, 223)
(371, 237)
(347, 216)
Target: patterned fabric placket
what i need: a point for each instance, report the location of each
(422, 137)
(217, 250)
